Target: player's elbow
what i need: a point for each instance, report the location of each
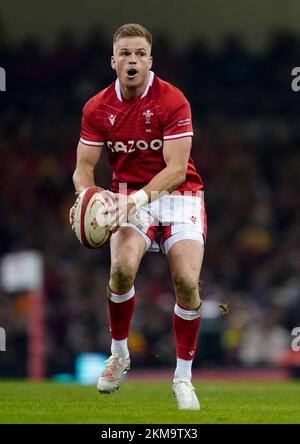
(180, 174)
(78, 178)
(75, 177)
(182, 178)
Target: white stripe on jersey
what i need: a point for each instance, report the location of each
(150, 81)
(89, 142)
(177, 136)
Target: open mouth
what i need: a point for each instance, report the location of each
(132, 72)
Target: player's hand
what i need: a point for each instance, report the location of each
(120, 212)
(71, 216)
(72, 211)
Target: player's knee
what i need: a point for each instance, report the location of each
(122, 276)
(186, 287)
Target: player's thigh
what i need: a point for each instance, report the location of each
(185, 258)
(127, 247)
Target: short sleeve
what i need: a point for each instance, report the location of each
(90, 131)
(178, 121)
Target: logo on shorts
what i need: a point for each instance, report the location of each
(191, 352)
(148, 114)
(193, 219)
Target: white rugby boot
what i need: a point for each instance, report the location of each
(111, 377)
(185, 395)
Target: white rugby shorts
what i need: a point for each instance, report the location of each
(176, 217)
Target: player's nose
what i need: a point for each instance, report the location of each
(132, 59)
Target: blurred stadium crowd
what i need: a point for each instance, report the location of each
(246, 148)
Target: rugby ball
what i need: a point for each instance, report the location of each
(89, 218)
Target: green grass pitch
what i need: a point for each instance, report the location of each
(149, 403)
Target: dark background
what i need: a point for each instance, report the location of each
(234, 65)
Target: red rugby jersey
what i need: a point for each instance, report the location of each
(134, 131)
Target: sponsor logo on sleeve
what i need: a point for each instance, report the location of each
(183, 122)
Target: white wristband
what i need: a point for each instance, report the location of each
(140, 198)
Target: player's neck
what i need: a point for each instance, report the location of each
(132, 93)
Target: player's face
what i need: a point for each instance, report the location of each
(132, 60)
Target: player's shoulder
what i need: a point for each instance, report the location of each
(98, 99)
(168, 93)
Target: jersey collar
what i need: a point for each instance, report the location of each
(150, 81)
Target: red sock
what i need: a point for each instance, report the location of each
(186, 324)
(121, 308)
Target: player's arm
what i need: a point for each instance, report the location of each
(87, 159)
(176, 154)
(176, 150)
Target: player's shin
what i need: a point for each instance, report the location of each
(121, 308)
(186, 324)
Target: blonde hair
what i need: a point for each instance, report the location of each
(132, 30)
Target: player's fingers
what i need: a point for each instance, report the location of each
(116, 219)
(71, 216)
(116, 228)
(104, 198)
(108, 199)
(111, 210)
(113, 227)
(111, 195)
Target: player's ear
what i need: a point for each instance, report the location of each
(113, 62)
(150, 62)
